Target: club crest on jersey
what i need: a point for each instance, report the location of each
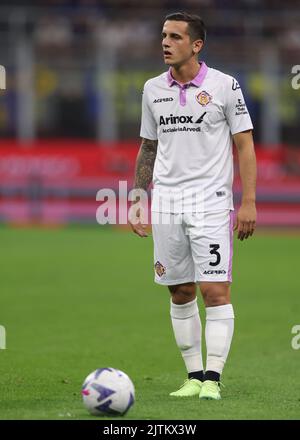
(203, 98)
(159, 269)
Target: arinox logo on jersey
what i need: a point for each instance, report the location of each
(180, 120)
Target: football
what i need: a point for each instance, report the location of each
(108, 391)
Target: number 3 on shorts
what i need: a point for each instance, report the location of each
(214, 251)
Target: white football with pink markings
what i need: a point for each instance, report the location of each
(108, 391)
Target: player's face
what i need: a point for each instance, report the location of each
(176, 43)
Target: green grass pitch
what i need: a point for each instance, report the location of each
(76, 299)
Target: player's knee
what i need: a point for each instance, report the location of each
(212, 301)
(183, 293)
(215, 294)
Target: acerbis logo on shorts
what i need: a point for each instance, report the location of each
(162, 100)
(214, 272)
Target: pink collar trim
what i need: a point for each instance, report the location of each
(197, 81)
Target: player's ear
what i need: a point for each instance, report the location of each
(197, 46)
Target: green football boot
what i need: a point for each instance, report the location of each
(210, 390)
(190, 387)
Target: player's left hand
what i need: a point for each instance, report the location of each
(245, 221)
(136, 219)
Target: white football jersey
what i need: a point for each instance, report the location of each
(193, 124)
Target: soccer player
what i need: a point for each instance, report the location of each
(190, 116)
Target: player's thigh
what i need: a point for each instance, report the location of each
(173, 263)
(212, 247)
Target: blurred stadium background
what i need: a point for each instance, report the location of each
(69, 118)
(77, 298)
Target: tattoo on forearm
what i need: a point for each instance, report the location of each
(145, 164)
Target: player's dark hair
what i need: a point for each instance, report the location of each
(196, 26)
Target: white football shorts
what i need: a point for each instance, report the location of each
(192, 247)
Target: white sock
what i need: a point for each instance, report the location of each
(187, 330)
(218, 336)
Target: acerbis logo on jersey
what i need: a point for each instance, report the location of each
(180, 120)
(162, 100)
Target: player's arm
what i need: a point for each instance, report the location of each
(246, 218)
(145, 164)
(143, 177)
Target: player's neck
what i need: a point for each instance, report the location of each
(186, 72)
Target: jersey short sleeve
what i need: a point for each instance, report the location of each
(148, 124)
(236, 111)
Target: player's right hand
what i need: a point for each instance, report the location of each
(246, 221)
(136, 219)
